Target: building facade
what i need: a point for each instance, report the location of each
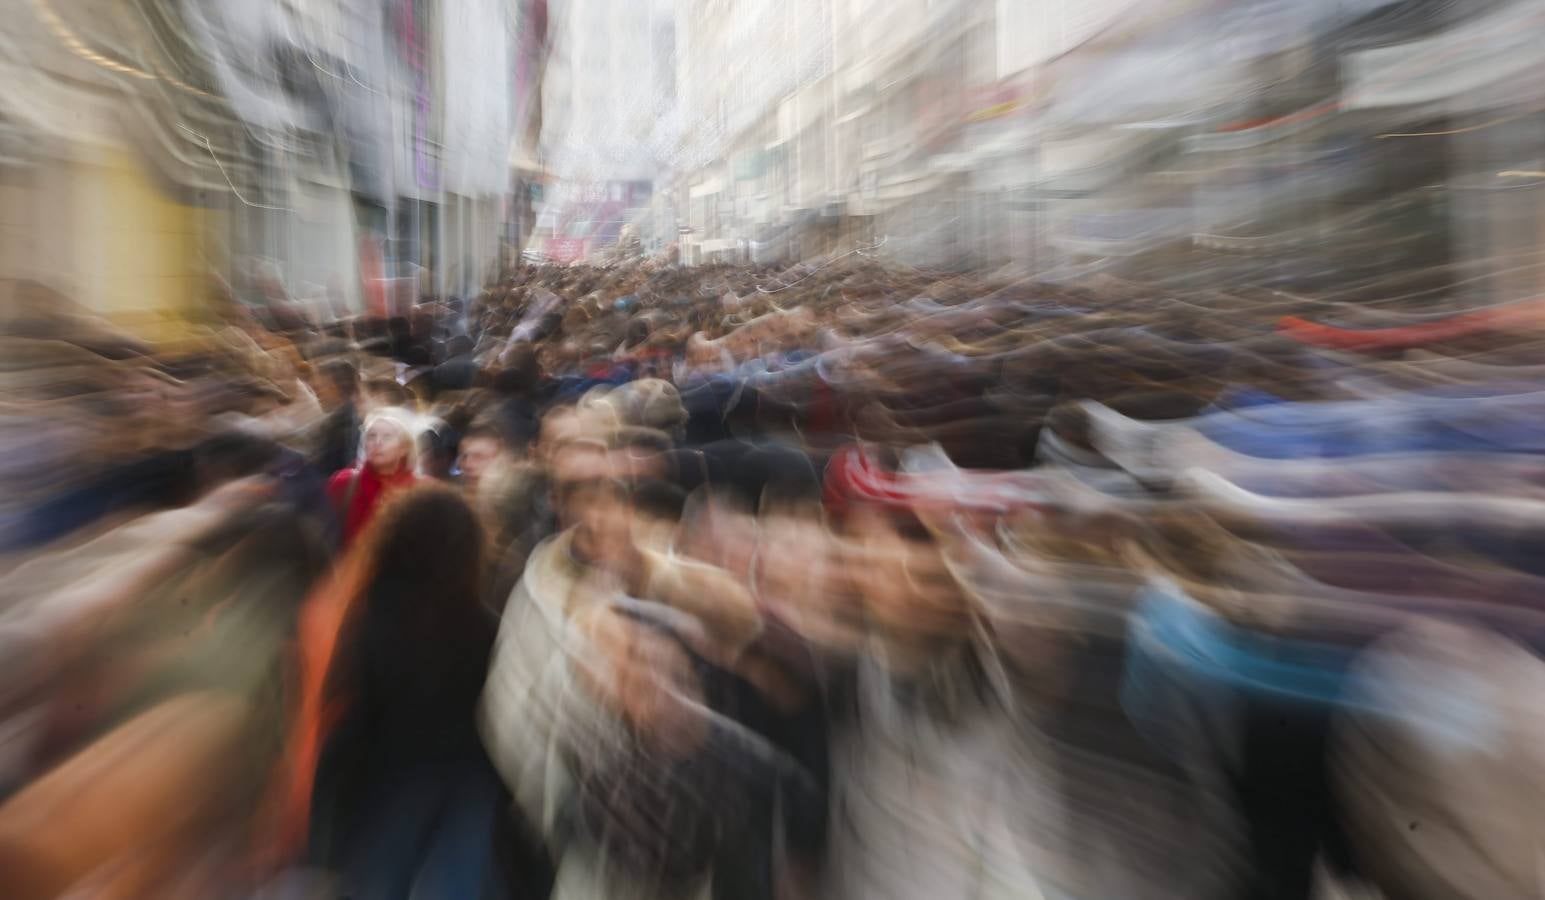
(159, 156)
(1262, 141)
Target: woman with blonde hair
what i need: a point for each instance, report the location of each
(388, 461)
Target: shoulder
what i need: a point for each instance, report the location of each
(340, 479)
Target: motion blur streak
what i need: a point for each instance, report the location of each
(772, 449)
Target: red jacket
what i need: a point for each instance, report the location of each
(367, 496)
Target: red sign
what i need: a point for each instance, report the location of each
(564, 250)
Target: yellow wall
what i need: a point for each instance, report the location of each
(94, 226)
(141, 255)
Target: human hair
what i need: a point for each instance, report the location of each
(483, 427)
(659, 500)
(637, 438)
(610, 489)
(637, 332)
(398, 418)
(393, 393)
(343, 375)
(520, 373)
(426, 538)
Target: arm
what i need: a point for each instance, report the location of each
(712, 595)
(153, 779)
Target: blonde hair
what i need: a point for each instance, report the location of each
(407, 422)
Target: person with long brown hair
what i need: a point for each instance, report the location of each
(393, 656)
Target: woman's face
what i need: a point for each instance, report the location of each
(386, 446)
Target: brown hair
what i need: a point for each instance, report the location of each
(425, 536)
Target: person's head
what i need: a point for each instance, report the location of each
(387, 392)
(437, 449)
(637, 454)
(719, 527)
(653, 403)
(637, 333)
(898, 571)
(481, 446)
(657, 512)
(337, 383)
(387, 444)
(427, 536)
(796, 571)
(520, 374)
(600, 512)
(559, 426)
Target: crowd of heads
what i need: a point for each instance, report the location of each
(648, 581)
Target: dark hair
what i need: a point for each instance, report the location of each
(789, 494)
(424, 635)
(482, 427)
(637, 333)
(426, 538)
(520, 373)
(660, 500)
(343, 375)
(396, 394)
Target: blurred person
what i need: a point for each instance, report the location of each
(302, 410)
(481, 450)
(387, 462)
(175, 713)
(815, 622)
(416, 798)
(638, 454)
(438, 451)
(652, 403)
(721, 528)
(1439, 764)
(930, 732)
(688, 802)
(623, 597)
(521, 495)
(533, 718)
(338, 389)
(386, 392)
(518, 388)
(459, 370)
(229, 456)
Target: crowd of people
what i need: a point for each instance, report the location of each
(838, 581)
